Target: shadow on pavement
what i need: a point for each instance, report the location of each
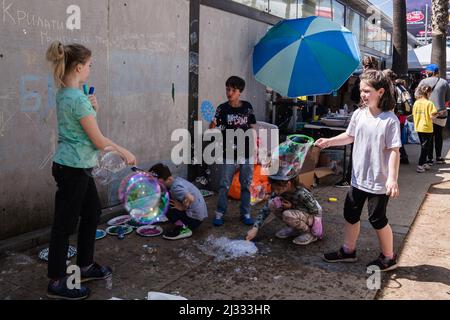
(422, 273)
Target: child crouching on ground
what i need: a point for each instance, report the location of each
(187, 206)
(296, 206)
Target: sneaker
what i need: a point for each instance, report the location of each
(178, 233)
(247, 220)
(286, 233)
(218, 222)
(426, 166)
(340, 256)
(384, 263)
(440, 160)
(61, 291)
(305, 239)
(420, 169)
(342, 184)
(404, 161)
(96, 272)
(430, 162)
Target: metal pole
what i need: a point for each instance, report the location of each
(194, 38)
(426, 23)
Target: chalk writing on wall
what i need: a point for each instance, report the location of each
(30, 98)
(49, 29)
(23, 18)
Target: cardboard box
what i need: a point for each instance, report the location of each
(323, 172)
(307, 179)
(332, 159)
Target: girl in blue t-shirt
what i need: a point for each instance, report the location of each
(79, 139)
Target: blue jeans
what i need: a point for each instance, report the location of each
(245, 178)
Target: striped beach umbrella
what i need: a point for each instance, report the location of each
(307, 56)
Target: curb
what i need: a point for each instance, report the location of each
(42, 236)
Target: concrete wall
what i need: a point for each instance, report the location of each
(226, 48)
(27, 109)
(140, 52)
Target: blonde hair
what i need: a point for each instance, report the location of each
(423, 91)
(65, 58)
(401, 82)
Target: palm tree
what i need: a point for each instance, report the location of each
(399, 39)
(439, 22)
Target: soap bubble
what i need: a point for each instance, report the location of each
(144, 197)
(224, 249)
(110, 163)
(291, 155)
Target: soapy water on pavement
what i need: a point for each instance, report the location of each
(224, 249)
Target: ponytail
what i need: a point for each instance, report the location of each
(56, 55)
(65, 58)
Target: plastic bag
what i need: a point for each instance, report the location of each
(413, 137)
(258, 189)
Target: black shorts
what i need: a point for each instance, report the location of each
(376, 205)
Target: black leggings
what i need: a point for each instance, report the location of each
(75, 197)
(437, 137)
(376, 205)
(426, 143)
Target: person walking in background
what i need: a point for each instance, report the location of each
(439, 96)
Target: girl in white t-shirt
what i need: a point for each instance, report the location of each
(375, 132)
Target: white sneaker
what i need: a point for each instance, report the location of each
(286, 233)
(420, 169)
(305, 239)
(426, 166)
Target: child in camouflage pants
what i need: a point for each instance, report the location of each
(297, 207)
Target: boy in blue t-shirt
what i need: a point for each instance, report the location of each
(187, 206)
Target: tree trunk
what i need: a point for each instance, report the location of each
(439, 22)
(399, 39)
